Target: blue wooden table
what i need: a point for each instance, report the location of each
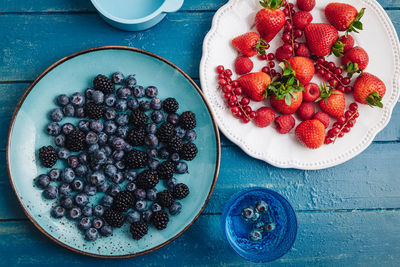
(348, 215)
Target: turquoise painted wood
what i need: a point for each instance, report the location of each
(348, 215)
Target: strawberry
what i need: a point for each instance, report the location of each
(303, 51)
(243, 65)
(311, 92)
(355, 60)
(306, 5)
(303, 68)
(322, 117)
(347, 41)
(301, 19)
(285, 107)
(306, 111)
(282, 55)
(249, 44)
(284, 123)
(320, 38)
(369, 89)
(344, 17)
(311, 133)
(254, 85)
(332, 101)
(270, 20)
(264, 117)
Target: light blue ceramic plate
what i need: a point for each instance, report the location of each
(75, 73)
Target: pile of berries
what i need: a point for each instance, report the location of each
(261, 219)
(343, 124)
(125, 140)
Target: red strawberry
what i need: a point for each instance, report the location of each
(254, 85)
(249, 44)
(265, 116)
(282, 55)
(344, 17)
(311, 133)
(301, 19)
(322, 117)
(306, 111)
(306, 5)
(355, 59)
(347, 41)
(284, 123)
(320, 38)
(369, 89)
(303, 68)
(311, 92)
(243, 65)
(270, 20)
(303, 51)
(332, 101)
(284, 107)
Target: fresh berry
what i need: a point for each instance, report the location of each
(136, 136)
(187, 120)
(85, 223)
(281, 54)
(138, 229)
(48, 156)
(303, 51)
(188, 151)
(175, 144)
(166, 169)
(147, 179)
(165, 198)
(87, 211)
(369, 89)
(306, 111)
(180, 191)
(75, 213)
(320, 38)
(322, 117)
(248, 213)
(123, 201)
(165, 132)
(91, 234)
(344, 17)
(130, 82)
(94, 111)
(265, 116)
(285, 107)
(249, 44)
(118, 77)
(175, 208)
(170, 105)
(254, 85)
(138, 118)
(301, 19)
(332, 101)
(135, 159)
(103, 84)
(303, 68)
(106, 230)
(243, 65)
(311, 92)
(347, 41)
(58, 212)
(269, 20)
(305, 5)
(355, 59)
(160, 220)
(113, 218)
(311, 133)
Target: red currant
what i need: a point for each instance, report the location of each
(346, 129)
(244, 101)
(239, 114)
(296, 45)
(350, 123)
(337, 125)
(220, 69)
(235, 84)
(271, 64)
(321, 60)
(227, 88)
(247, 109)
(341, 135)
(298, 33)
(238, 91)
(245, 120)
(227, 96)
(273, 72)
(331, 66)
(234, 110)
(330, 134)
(228, 80)
(338, 71)
(233, 99)
(271, 56)
(288, 26)
(293, 12)
(346, 81)
(291, 6)
(335, 130)
(348, 114)
(356, 115)
(262, 57)
(340, 88)
(333, 82)
(286, 38)
(287, 48)
(222, 82)
(231, 104)
(321, 72)
(327, 76)
(348, 89)
(221, 76)
(353, 106)
(228, 73)
(253, 115)
(328, 141)
(286, 12)
(341, 120)
(265, 69)
(278, 75)
(317, 67)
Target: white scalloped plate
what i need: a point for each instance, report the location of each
(380, 40)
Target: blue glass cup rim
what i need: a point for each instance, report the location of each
(280, 250)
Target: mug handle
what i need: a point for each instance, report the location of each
(172, 5)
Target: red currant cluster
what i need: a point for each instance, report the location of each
(343, 124)
(333, 75)
(269, 68)
(232, 91)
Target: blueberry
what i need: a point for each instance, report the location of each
(108, 150)
(157, 116)
(95, 167)
(144, 105)
(163, 153)
(98, 210)
(67, 128)
(65, 189)
(83, 158)
(122, 131)
(248, 213)
(58, 212)
(146, 215)
(261, 206)
(124, 93)
(118, 143)
(59, 140)
(68, 110)
(93, 148)
(118, 178)
(110, 100)
(140, 205)
(43, 181)
(85, 223)
(89, 92)
(79, 112)
(118, 77)
(73, 161)
(155, 103)
(54, 174)
(153, 164)
(175, 157)
(106, 230)
(63, 153)
(110, 139)
(97, 223)
(53, 129)
(128, 147)
(62, 100)
(91, 234)
(130, 81)
(139, 194)
(255, 236)
(151, 152)
(151, 140)
(181, 167)
(130, 187)
(151, 194)
(56, 115)
(103, 137)
(170, 183)
(67, 175)
(75, 213)
(98, 97)
(120, 165)
(175, 208)
(84, 125)
(51, 192)
(114, 190)
(120, 105)
(110, 127)
(81, 199)
(138, 91)
(118, 154)
(96, 126)
(91, 138)
(270, 226)
(190, 135)
(122, 119)
(107, 201)
(256, 216)
(155, 207)
(151, 91)
(81, 170)
(77, 99)
(110, 170)
(90, 190)
(130, 175)
(97, 178)
(77, 185)
(133, 216)
(151, 128)
(180, 132)
(133, 103)
(260, 226)
(173, 118)
(99, 157)
(87, 211)
(104, 187)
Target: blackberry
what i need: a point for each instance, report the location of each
(165, 132)
(180, 191)
(135, 159)
(165, 198)
(188, 151)
(175, 144)
(170, 105)
(48, 156)
(138, 118)
(187, 120)
(123, 201)
(104, 84)
(94, 111)
(113, 218)
(166, 169)
(135, 137)
(138, 229)
(147, 179)
(160, 220)
(75, 141)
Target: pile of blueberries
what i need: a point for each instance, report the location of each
(256, 215)
(99, 170)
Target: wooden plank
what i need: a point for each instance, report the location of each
(326, 239)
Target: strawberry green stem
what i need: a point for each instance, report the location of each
(374, 99)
